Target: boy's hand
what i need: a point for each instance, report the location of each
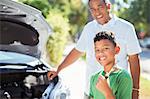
(103, 87)
(51, 74)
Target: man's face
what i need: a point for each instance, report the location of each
(99, 11)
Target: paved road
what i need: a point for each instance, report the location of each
(145, 63)
(74, 77)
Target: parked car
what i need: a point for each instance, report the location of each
(23, 71)
(145, 43)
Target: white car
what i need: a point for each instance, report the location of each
(23, 71)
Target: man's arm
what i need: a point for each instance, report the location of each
(135, 72)
(70, 58)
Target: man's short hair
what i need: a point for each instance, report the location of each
(105, 35)
(105, 1)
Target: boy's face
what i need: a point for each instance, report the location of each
(99, 11)
(105, 52)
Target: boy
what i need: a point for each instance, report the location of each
(112, 82)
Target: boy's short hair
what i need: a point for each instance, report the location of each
(105, 35)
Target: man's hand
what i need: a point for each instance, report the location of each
(51, 74)
(71, 58)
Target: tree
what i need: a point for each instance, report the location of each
(42, 5)
(138, 14)
(58, 39)
(65, 17)
(75, 11)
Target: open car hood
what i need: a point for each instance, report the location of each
(23, 29)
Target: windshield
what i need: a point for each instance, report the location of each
(15, 58)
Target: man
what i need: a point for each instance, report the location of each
(125, 36)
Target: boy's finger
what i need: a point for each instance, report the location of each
(101, 77)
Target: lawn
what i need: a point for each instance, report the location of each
(144, 88)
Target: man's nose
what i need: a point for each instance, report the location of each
(97, 11)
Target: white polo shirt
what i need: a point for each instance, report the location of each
(125, 36)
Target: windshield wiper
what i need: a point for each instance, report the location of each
(21, 64)
(38, 66)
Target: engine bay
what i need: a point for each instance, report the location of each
(22, 85)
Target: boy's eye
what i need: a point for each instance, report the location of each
(106, 48)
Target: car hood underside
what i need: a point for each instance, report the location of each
(23, 29)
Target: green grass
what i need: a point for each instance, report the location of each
(144, 88)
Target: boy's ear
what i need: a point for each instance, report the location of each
(117, 49)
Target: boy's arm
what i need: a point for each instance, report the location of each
(71, 58)
(135, 72)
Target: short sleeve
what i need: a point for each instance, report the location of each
(82, 42)
(124, 86)
(133, 46)
(91, 86)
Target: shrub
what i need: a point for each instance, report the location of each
(57, 41)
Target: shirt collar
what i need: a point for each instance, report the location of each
(114, 69)
(111, 22)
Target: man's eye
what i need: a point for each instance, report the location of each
(92, 9)
(101, 7)
(97, 50)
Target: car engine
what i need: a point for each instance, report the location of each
(22, 85)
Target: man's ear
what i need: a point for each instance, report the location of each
(108, 6)
(117, 49)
